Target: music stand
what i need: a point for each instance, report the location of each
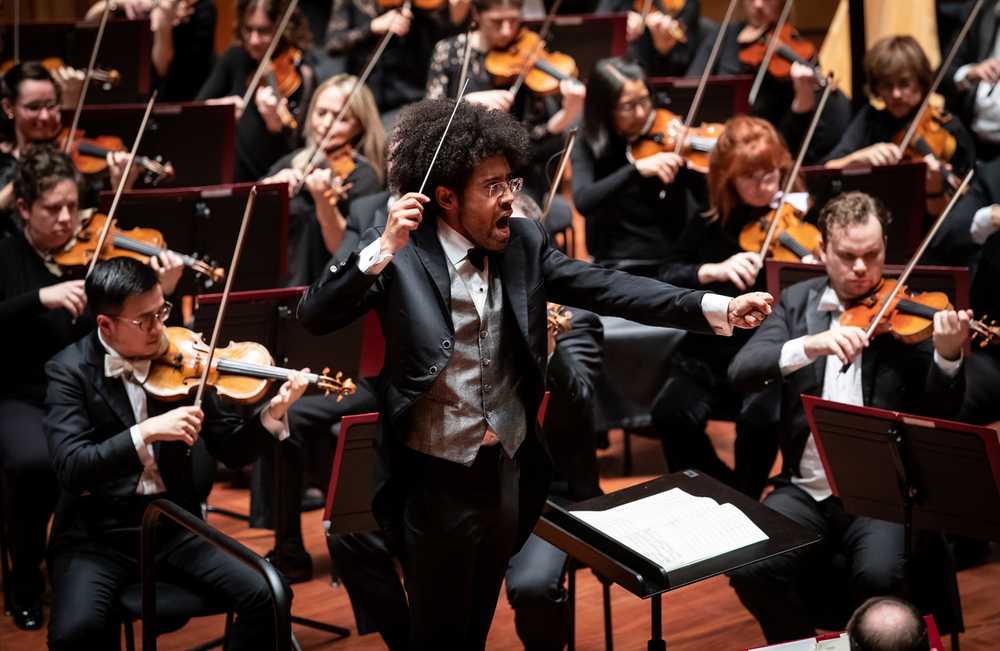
(197, 139)
(901, 187)
(642, 577)
(349, 499)
(920, 472)
(725, 96)
(587, 38)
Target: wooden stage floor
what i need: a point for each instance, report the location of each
(702, 617)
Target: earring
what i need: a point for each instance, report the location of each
(10, 116)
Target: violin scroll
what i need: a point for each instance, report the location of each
(985, 334)
(337, 384)
(558, 318)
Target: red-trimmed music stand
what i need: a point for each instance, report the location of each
(349, 510)
(901, 187)
(587, 38)
(197, 139)
(932, 635)
(725, 96)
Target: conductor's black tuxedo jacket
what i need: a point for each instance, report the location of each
(412, 298)
(87, 421)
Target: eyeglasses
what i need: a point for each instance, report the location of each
(146, 322)
(261, 32)
(500, 187)
(38, 107)
(629, 107)
(761, 178)
(885, 88)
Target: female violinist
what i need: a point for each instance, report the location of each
(749, 166)
(262, 136)
(317, 214)
(787, 103)
(898, 73)
(635, 209)
(665, 43)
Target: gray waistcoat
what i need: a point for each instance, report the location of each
(477, 387)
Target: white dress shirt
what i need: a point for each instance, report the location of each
(982, 225)
(843, 387)
(986, 110)
(150, 482)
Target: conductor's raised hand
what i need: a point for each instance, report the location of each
(748, 310)
(404, 216)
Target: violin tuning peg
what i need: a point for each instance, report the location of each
(326, 370)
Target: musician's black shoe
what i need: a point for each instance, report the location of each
(297, 568)
(28, 619)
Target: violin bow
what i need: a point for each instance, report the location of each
(86, 82)
(563, 161)
(265, 60)
(940, 75)
(795, 168)
(444, 135)
(321, 149)
(121, 187)
(225, 297)
(903, 277)
(772, 45)
(529, 60)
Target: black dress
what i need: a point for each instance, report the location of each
(7, 165)
(194, 56)
(307, 254)
(674, 63)
(257, 148)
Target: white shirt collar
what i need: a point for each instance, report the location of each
(111, 351)
(455, 245)
(829, 301)
(797, 200)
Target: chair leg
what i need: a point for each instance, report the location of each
(609, 642)
(229, 630)
(627, 462)
(954, 642)
(129, 633)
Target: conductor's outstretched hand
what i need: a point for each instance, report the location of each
(749, 310)
(404, 216)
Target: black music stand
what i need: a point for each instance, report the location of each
(207, 221)
(725, 96)
(642, 577)
(901, 187)
(349, 500)
(197, 139)
(587, 38)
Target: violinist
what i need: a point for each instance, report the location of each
(801, 349)
(264, 131)
(116, 450)
(400, 75)
(656, 43)
(635, 209)
(749, 166)
(787, 103)
(183, 49)
(317, 214)
(898, 74)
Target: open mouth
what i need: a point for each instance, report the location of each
(503, 224)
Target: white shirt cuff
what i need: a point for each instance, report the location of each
(960, 77)
(948, 367)
(716, 310)
(278, 428)
(982, 225)
(793, 356)
(145, 456)
(371, 262)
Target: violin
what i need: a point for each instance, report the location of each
(557, 319)
(791, 48)
(426, 5)
(931, 138)
(107, 78)
(241, 372)
(795, 238)
(547, 69)
(91, 156)
(660, 135)
(282, 76)
(341, 161)
(138, 243)
(909, 318)
(668, 7)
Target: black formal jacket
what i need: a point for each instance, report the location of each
(366, 212)
(412, 299)
(894, 375)
(977, 47)
(87, 421)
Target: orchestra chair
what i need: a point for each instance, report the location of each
(175, 605)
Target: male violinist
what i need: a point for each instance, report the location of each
(115, 450)
(460, 288)
(803, 347)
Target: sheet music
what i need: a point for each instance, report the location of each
(675, 528)
(841, 643)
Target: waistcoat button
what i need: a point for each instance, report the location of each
(446, 344)
(433, 370)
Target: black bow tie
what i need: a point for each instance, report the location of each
(478, 254)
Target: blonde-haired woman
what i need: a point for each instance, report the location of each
(317, 214)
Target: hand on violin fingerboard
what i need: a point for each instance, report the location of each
(951, 331)
(289, 392)
(170, 268)
(117, 160)
(70, 83)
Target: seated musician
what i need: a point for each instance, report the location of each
(264, 130)
(748, 169)
(788, 104)
(317, 214)
(635, 209)
(498, 27)
(400, 75)
(898, 74)
(653, 44)
(888, 624)
(183, 42)
(801, 348)
(116, 449)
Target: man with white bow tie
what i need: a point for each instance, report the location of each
(116, 450)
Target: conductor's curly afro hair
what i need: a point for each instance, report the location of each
(476, 134)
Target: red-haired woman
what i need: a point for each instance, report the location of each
(748, 168)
